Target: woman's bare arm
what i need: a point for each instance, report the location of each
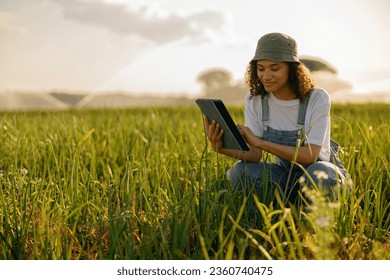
(307, 154)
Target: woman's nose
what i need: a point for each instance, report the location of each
(267, 75)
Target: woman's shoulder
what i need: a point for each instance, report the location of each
(253, 105)
(252, 99)
(320, 95)
(319, 90)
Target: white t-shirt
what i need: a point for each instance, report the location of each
(283, 115)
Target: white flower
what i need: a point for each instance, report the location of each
(301, 180)
(323, 221)
(321, 174)
(334, 205)
(23, 171)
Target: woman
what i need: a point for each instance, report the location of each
(283, 108)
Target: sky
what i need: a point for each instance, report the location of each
(162, 46)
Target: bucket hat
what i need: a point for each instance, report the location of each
(277, 47)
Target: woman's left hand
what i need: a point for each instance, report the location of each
(249, 137)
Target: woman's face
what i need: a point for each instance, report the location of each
(273, 75)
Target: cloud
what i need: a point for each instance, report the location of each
(145, 22)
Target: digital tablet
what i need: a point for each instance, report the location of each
(214, 109)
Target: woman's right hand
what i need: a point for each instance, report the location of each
(214, 134)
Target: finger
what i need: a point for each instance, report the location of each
(220, 135)
(206, 120)
(245, 130)
(207, 126)
(216, 131)
(211, 129)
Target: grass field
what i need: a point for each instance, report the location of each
(141, 184)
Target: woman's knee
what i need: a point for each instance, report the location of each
(238, 174)
(250, 175)
(325, 176)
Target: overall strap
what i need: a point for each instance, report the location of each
(265, 108)
(264, 111)
(302, 109)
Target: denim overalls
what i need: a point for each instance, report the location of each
(281, 174)
(283, 137)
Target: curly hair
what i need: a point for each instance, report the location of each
(300, 79)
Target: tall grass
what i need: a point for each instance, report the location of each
(141, 184)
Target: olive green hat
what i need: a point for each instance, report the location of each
(277, 47)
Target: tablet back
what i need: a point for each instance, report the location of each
(214, 109)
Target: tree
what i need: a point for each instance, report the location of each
(316, 64)
(214, 79)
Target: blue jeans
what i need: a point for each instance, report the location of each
(264, 177)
